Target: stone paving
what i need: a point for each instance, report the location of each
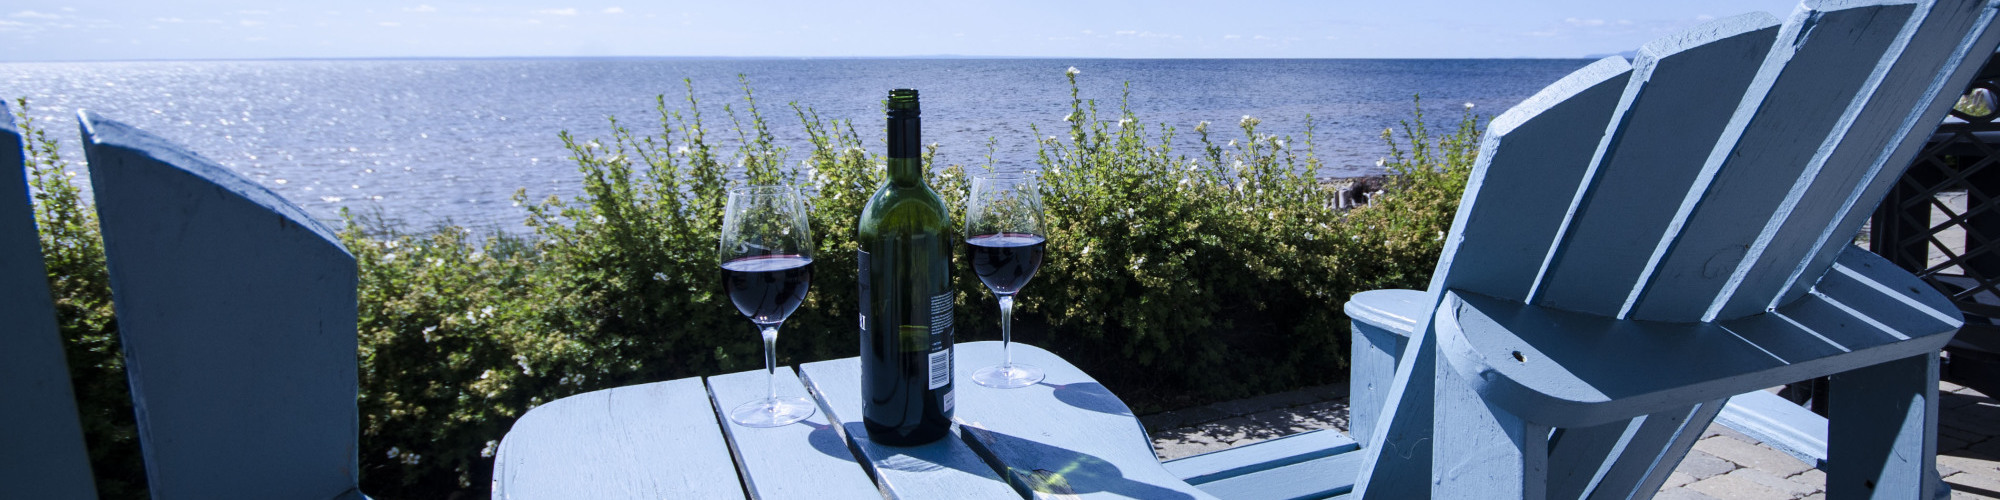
(1724, 465)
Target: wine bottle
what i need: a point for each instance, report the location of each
(906, 295)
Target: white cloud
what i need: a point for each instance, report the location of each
(1261, 37)
(249, 23)
(1584, 22)
(1231, 37)
(614, 10)
(169, 20)
(29, 14)
(557, 12)
(421, 8)
(254, 12)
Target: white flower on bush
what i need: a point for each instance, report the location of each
(1072, 71)
(1380, 162)
(1122, 122)
(682, 150)
(1141, 261)
(1279, 142)
(1232, 143)
(388, 257)
(1071, 116)
(1468, 105)
(1248, 121)
(599, 218)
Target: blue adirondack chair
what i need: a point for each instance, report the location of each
(237, 315)
(1640, 242)
(41, 443)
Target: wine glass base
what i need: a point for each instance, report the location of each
(1008, 376)
(772, 412)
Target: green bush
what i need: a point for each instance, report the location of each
(1174, 280)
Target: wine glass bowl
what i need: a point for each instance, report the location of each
(766, 257)
(1004, 240)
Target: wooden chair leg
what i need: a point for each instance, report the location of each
(1483, 451)
(1396, 460)
(1882, 431)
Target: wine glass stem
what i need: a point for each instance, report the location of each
(1007, 329)
(771, 360)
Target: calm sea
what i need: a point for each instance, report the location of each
(423, 141)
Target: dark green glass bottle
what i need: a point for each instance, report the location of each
(906, 295)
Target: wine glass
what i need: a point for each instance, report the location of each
(1004, 238)
(766, 254)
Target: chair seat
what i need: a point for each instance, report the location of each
(1568, 369)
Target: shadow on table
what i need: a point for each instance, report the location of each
(1090, 396)
(1046, 469)
(921, 458)
(827, 440)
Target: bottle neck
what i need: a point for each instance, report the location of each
(906, 165)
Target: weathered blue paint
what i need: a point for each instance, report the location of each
(945, 468)
(237, 315)
(1315, 464)
(41, 446)
(1066, 435)
(1799, 99)
(1381, 328)
(1962, 63)
(1398, 453)
(1483, 450)
(768, 460)
(1262, 456)
(1669, 116)
(657, 440)
(1779, 423)
(1895, 97)
(1653, 451)
(1882, 430)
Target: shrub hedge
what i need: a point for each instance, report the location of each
(1175, 280)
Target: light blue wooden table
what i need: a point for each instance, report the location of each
(1067, 437)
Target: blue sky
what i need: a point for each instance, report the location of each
(69, 30)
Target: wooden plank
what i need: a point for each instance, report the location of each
(1964, 62)
(809, 459)
(41, 448)
(1262, 456)
(1822, 60)
(657, 440)
(1483, 450)
(1570, 369)
(945, 468)
(1672, 111)
(1317, 478)
(1779, 423)
(1399, 458)
(1381, 327)
(1882, 434)
(1653, 451)
(236, 312)
(1532, 160)
(1578, 456)
(1066, 436)
(1916, 62)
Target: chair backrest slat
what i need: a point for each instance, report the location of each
(1808, 85)
(1530, 162)
(1669, 117)
(1930, 108)
(41, 441)
(1886, 111)
(237, 315)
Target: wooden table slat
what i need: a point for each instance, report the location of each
(1067, 437)
(773, 462)
(657, 440)
(946, 468)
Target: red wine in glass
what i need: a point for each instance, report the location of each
(767, 288)
(1005, 261)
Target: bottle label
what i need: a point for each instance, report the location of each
(941, 308)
